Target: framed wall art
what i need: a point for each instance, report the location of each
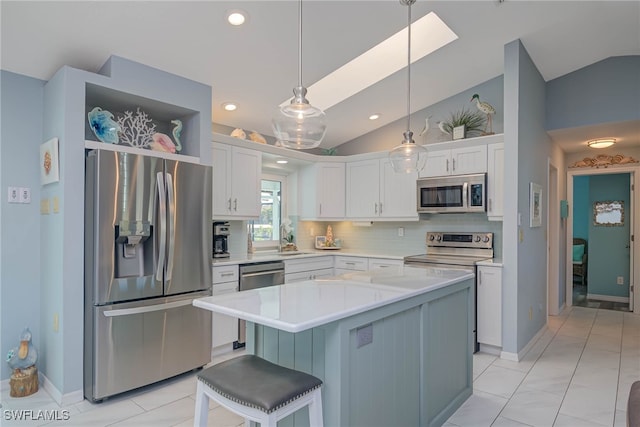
(608, 213)
(49, 162)
(535, 205)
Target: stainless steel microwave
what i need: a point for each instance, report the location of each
(452, 194)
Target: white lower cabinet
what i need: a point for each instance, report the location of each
(224, 329)
(385, 263)
(349, 264)
(298, 270)
(490, 305)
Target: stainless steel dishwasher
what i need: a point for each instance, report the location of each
(254, 276)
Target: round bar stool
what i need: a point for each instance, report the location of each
(258, 390)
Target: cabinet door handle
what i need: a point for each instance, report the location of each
(350, 263)
(228, 273)
(229, 204)
(320, 208)
(490, 205)
(380, 208)
(375, 210)
(447, 165)
(479, 278)
(235, 204)
(454, 164)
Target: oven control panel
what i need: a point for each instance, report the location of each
(460, 239)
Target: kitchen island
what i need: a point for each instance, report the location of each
(394, 348)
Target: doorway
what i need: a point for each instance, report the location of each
(600, 271)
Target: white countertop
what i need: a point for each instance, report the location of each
(296, 307)
(495, 262)
(275, 256)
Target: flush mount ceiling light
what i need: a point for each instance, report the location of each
(230, 106)
(374, 116)
(408, 157)
(601, 143)
(299, 125)
(282, 162)
(236, 17)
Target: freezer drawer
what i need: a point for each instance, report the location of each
(136, 344)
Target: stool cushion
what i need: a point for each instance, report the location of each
(255, 382)
(633, 405)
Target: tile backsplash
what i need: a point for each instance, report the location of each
(379, 237)
(382, 237)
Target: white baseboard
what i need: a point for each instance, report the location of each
(516, 357)
(490, 349)
(62, 399)
(608, 298)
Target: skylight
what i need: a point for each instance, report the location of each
(429, 34)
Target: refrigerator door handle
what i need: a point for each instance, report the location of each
(172, 225)
(163, 226)
(147, 309)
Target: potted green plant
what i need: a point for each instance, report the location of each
(472, 121)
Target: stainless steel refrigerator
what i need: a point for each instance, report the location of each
(147, 256)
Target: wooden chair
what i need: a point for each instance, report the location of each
(580, 267)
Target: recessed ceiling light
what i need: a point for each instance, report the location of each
(229, 106)
(428, 34)
(236, 17)
(374, 116)
(282, 162)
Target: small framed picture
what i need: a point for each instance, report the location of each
(535, 205)
(320, 241)
(49, 169)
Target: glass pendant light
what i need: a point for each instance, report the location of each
(299, 125)
(408, 157)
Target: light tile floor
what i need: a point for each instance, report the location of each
(577, 374)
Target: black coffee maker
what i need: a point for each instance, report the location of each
(221, 240)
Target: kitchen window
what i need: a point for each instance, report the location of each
(266, 229)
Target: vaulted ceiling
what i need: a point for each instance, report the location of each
(255, 65)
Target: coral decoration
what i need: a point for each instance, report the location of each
(138, 130)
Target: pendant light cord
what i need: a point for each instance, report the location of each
(300, 43)
(409, 69)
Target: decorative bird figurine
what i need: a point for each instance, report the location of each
(486, 108)
(25, 355)
(103, 126)
(177, 132)
(425, 129)
(442, 129)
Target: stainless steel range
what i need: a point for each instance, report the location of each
(455, 250)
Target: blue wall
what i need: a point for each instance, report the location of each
(607, 91)
(20, 139)
(581, 207)
(608, 256)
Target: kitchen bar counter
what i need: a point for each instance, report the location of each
(393, 348)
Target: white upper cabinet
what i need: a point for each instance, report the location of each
(322, 191)
(236, 182)
(375, 191)
(455, 161)
(495, 181)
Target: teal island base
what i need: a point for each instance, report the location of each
(408, 363)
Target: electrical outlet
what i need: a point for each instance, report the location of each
(25, 195)
(13, 195)
(311, 232)
(620, 280)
